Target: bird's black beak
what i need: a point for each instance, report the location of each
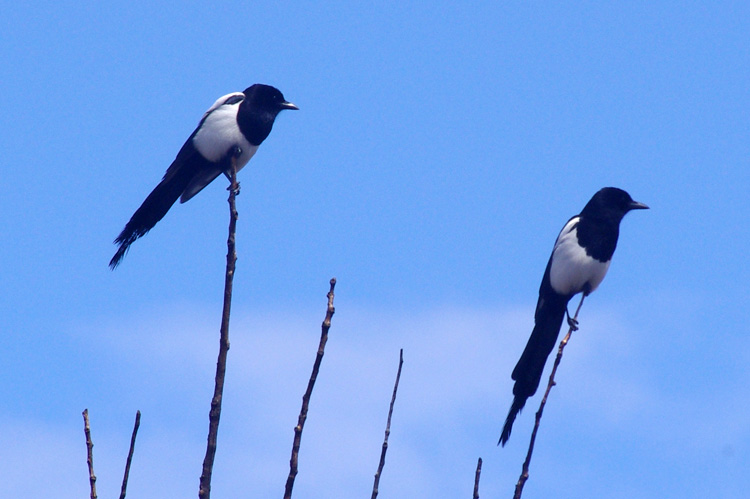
(635, 205)
(288, 105)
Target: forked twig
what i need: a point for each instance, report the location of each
(130, 454)
(387, 428)
(525, 471)
(90, 452)
(204, 491)
(476, 478)
(306, 397)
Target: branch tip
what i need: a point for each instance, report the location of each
(294, 459)
(384, 449)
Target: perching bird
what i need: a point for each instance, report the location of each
(578, 263)
(234, 126)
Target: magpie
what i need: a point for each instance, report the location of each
(578, 263)
(232, 128)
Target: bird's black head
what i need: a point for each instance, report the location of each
(258, 111)
(266, 99)
(611, 202)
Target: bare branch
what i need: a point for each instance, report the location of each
(204, 492)
(525, 471)
(130, 454)
(476, 478)
(90, 452)
(387, 428)
(306, 397)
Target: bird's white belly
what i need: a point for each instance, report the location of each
(572, 269)
(219, 133)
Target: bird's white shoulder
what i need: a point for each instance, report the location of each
(236, 97)
(572, 269)
(219, 131)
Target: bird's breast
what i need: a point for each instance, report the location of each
(572, 269)
(219, 133)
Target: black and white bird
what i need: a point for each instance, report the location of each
(578, 263)
(233, 127)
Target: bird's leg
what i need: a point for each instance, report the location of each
(234, 155)
(573, 321)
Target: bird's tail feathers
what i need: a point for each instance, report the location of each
(153, 209)
(529, 369)
(515, 408)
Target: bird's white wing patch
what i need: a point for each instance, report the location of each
(239, 96)
(219, 132)
(572, 269)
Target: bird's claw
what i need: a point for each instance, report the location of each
(235, 188)
(573, 323)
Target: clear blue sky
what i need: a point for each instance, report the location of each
(439, 149)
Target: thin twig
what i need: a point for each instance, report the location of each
(130, 454)
(387, 428)
(476, 478)
(204, 492)
(525, 471)
(306, 397)
(90, 452)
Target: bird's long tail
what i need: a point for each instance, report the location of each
(529, 369)
(153, 209)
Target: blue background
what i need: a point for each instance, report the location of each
(438, 151)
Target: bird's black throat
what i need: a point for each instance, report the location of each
(255, 124)
(598, 237)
